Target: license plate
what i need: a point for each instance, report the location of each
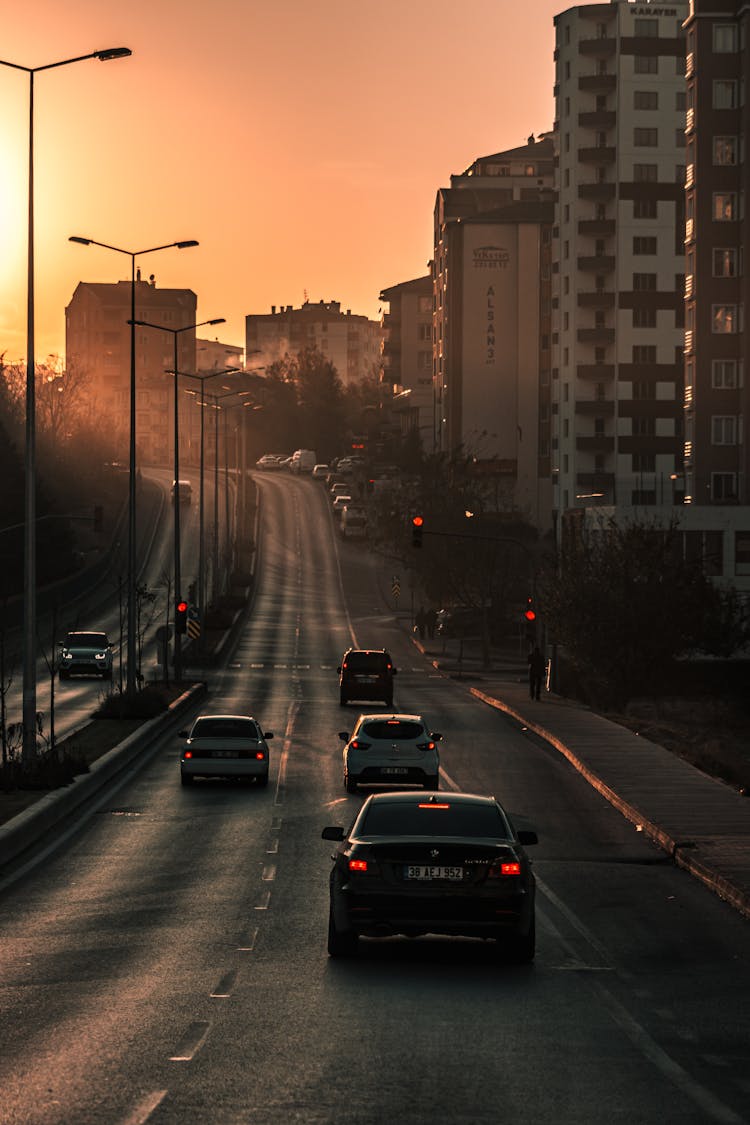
(224, 754)
(367, 679)
(395, 769)
(426, 872)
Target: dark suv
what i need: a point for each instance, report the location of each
(366, 673)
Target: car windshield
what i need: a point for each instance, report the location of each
(225, 728)
(433, 818)
(86, 640)
(365, 661)
(391, 729)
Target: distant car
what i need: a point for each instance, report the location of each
(366, 673)
(391, 750)
(339, 503)
(269, 462)
(353, 521)
(320, 471)
(338, 488)
(85, 654)
(225, 746)
(443, 863)
(182, 490)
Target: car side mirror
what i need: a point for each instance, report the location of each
(268, 734)
(343, 736)
(339, 670)
(436, 735)
(333, 832)
(526, 837)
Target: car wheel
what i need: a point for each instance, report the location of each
(340, 944)
(63, 675)
(107, 675)
(350, 783)
(522, 948)
(432, 781)
(389, 703)
(262, 781)
(186, 778)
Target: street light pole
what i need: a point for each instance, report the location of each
(176, 492)
(132, 657)
(29, 579)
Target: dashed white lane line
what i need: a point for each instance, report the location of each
(224, 988)
(273, 847)
(263, 901)
(247, 941)
(191, 1042)
(269, 873)
(145, 1107)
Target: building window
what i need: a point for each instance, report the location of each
(646, 64)
(645, 99)
(723, 429)
(724, 374)
(645, 173)
(643, 427)
(649, 28)
(644, 353)
(644, 318)
(723, 487)
(725, 150)
(724, 319)
(725, 261)
(725, 93)
(643, 390)
(648, 138)
(424, 304)
(680, 101)
(424, 361)
(725, 38)
(424, 332)
(742, 552)
(643, 245)
(645, 209)
(643, 281)
(725, 206)
(644, 463)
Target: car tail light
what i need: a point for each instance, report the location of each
(426, 745)
(499, 868)
(188, 754)
(358, 744)
(358, 865)
(432, 805)
(260, 755)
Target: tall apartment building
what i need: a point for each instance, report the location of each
(350, 342)
(717, 397)
(618, 315)
(97, 341)
(492, 360)
(407, 356)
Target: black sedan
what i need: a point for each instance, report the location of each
(440, 864)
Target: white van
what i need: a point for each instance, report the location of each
(353, 522)
(183, 490)
(303, 461)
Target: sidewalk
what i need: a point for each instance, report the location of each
(701, 822)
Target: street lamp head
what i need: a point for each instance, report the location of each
(77, 238)
(186, 243)
(219, 320)
(112, 53)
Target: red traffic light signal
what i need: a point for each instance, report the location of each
(530, 613)
(180, 616)
(417, 525)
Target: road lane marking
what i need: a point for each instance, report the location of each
(223, 989)
(269, 873)
(273, 847)
(263, 901)
(145, 1107)
(247, 941)
(191, 1042)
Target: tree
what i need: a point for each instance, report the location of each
(625, 604)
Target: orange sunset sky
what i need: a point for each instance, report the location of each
(302, 143)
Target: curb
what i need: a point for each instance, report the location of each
(20, 833)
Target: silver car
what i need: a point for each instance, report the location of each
(225, 746)
(85, 654)
(391, 750)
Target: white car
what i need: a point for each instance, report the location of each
(339, 503)
(320, 471)
(225, 746)
(269, 462)
(388, 749)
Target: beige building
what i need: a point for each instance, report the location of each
(97, 340)
(350, 342)
(491, 291)
(407, 357)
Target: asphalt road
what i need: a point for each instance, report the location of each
(169, 964)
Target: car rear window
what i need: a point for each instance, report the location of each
(391, 729)
(225, 728)
(86, 640)
(366, 661)
(433, 818)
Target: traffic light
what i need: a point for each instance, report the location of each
(530, 613)
(180, 616)
(417, 526)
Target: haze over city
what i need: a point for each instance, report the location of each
(301, 144)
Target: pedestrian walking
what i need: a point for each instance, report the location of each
(420, 621)
(537, 668)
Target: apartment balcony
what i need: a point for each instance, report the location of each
(599, 13)
(597, 228)
(392, 347)
(597, 83)
(596, 372)
(597, 193)
(599, 299)
(596, 336)
(599, 155)
(601, 120)
(601, 47)
(595, 407)
(596, 443)
(596, 482)
(690, 121)
(597, 263)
